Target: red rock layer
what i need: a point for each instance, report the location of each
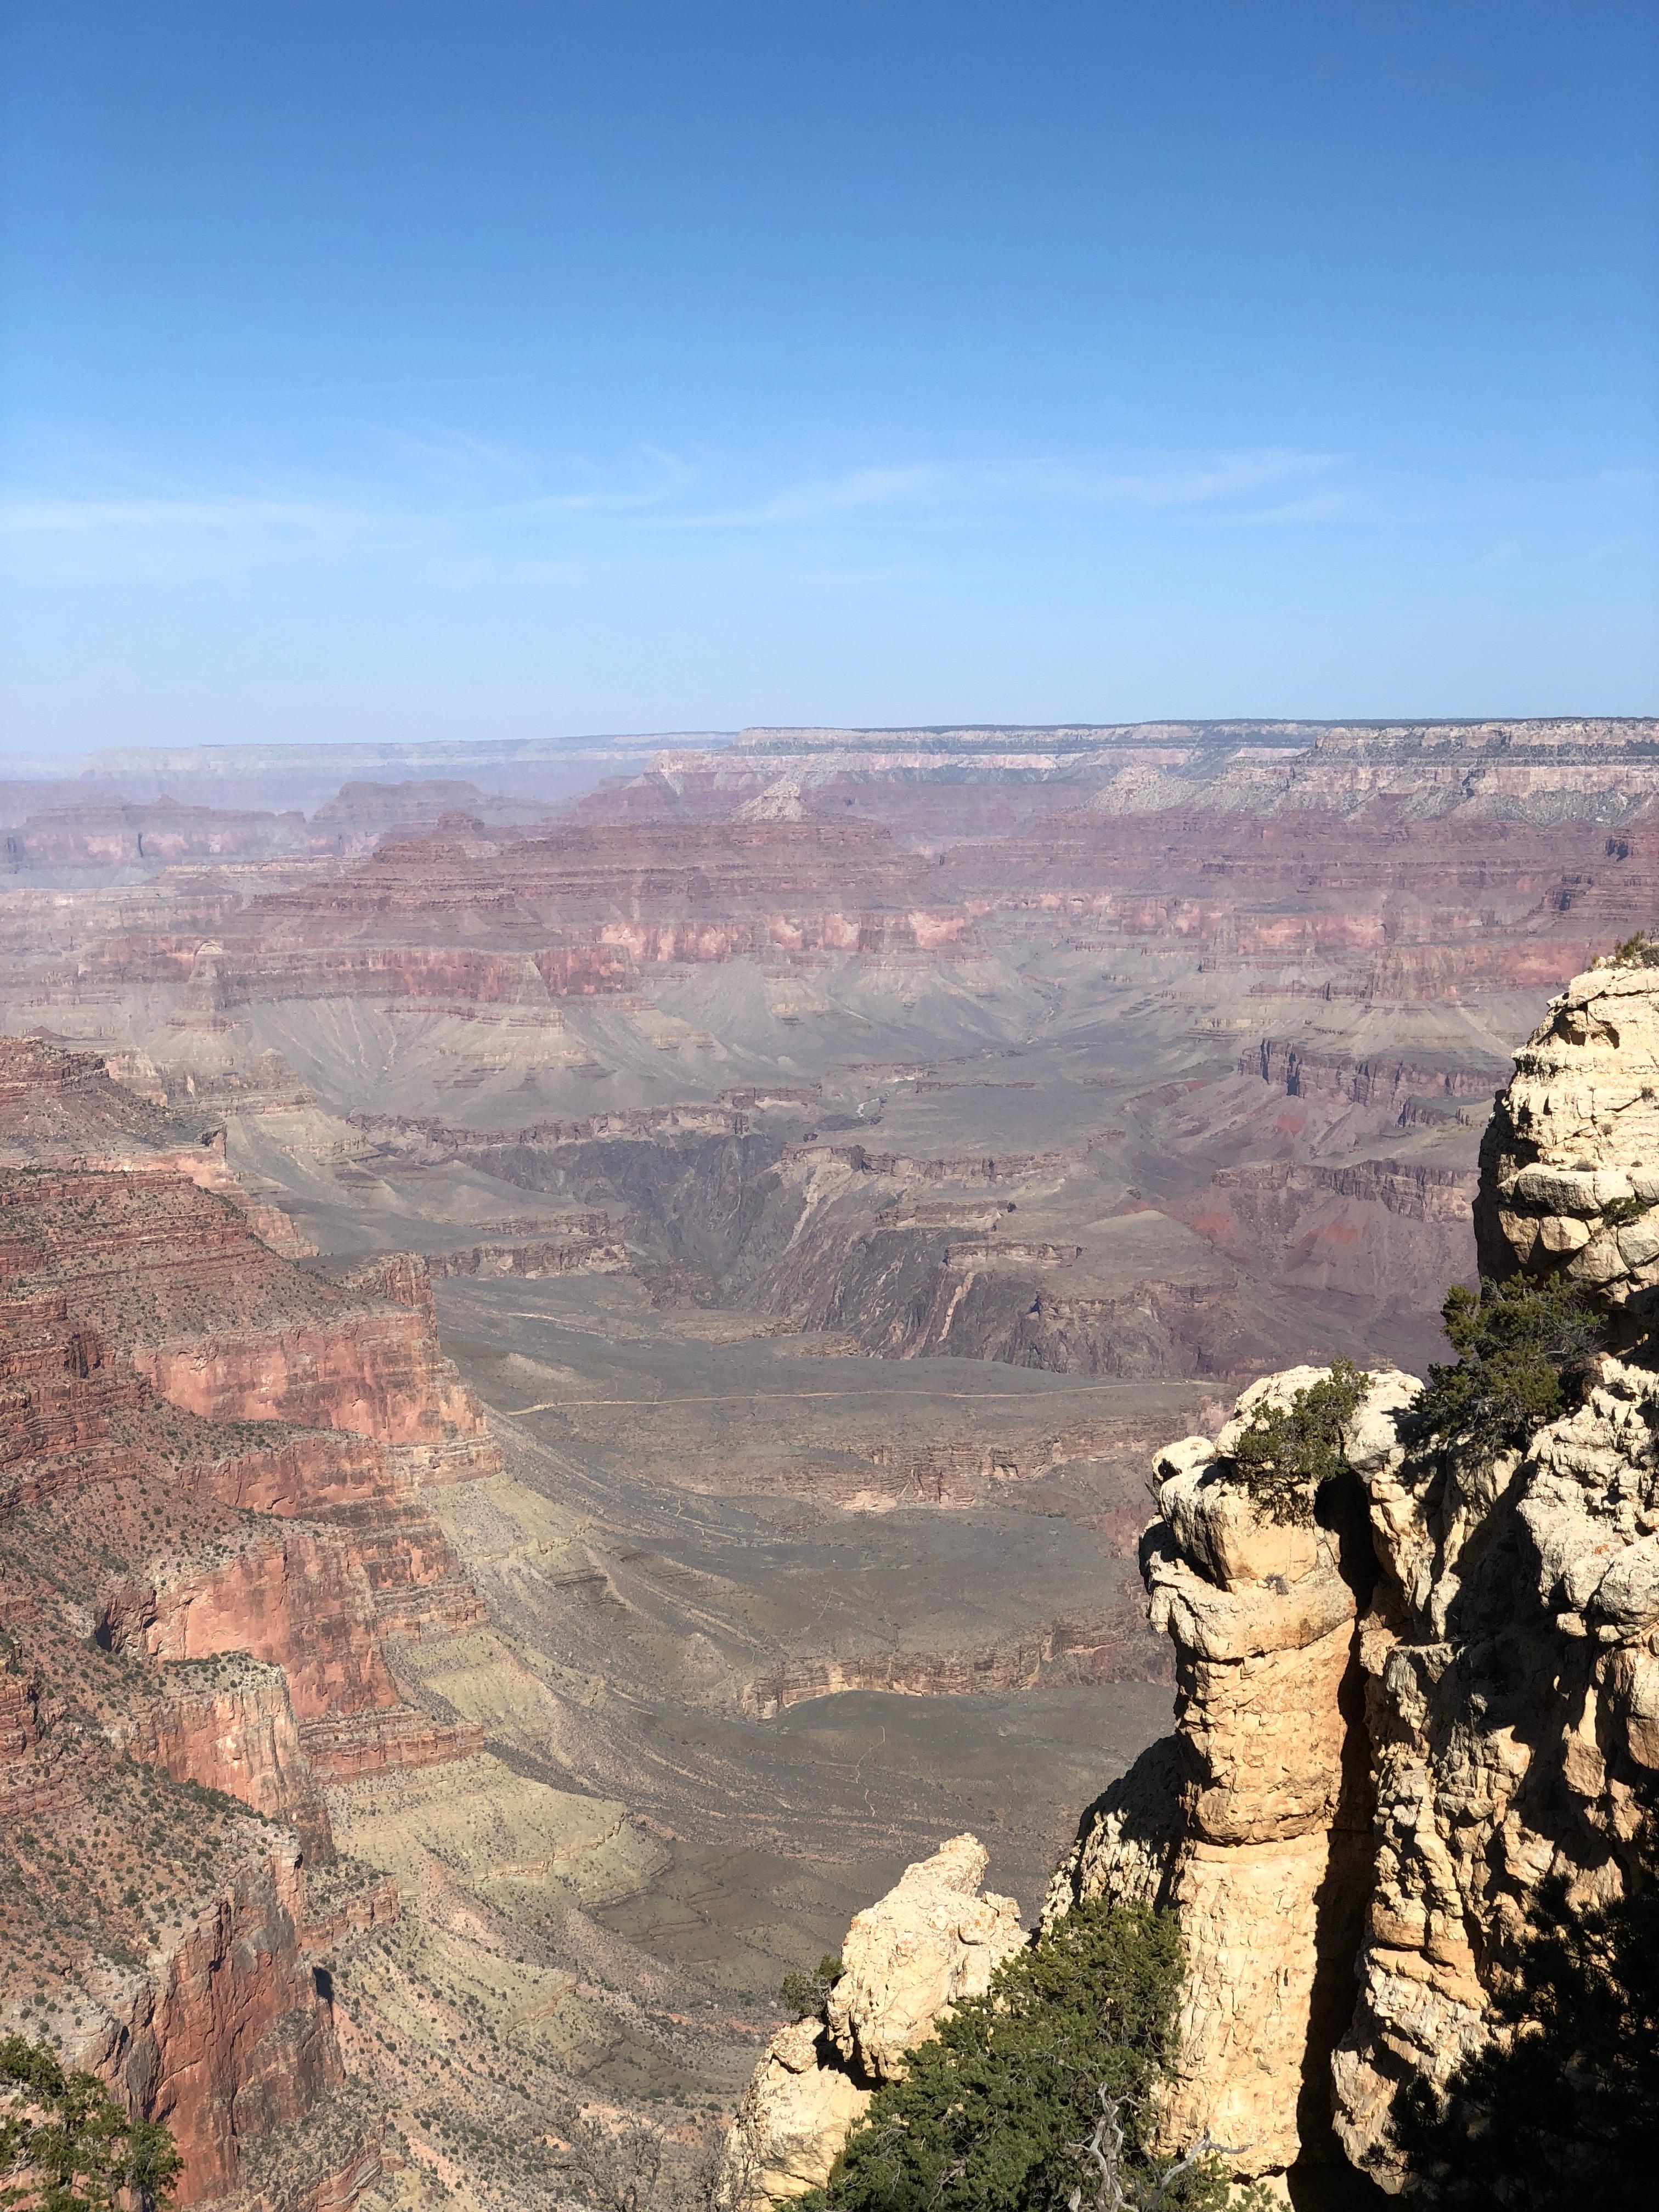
(219, 1324)
(128, 834)
(236, 1733)
(1428, 904)
(241, 1573)
(1330, 857)
(572, 914)
(60, 1109)
(234, 2040)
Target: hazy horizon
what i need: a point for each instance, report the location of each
(389, 374)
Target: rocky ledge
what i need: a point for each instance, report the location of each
(934, 1938)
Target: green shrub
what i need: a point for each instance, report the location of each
(1520, 1343)
(1638, 950)
(65, 2144)
(1289, 1451)
(1619, 1213)
(1561, 2112)
(998, 2106)
(804, 1996)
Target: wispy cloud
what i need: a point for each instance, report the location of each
(925, 488)
(457, 512)
(459, 464)
(63, 538)
(65, 517)
(815, 496)
(1318, 507)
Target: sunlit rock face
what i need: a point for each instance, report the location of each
(1569, 1170)
(1392, 1725)
(934, 1938)
(1254, 1824)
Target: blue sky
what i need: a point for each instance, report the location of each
(388, 369)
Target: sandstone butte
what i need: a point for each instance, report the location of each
(1391, 1726)
(213, 1529)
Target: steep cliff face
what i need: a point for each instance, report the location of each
(232, 2038)
(196, 1593)
(229, 1725)
(1395, 1723)
(124, 833)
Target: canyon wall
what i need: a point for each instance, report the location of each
(1395, 1723)
(1429, 859)
(212, 1532)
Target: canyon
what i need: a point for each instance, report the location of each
(581, 1359)
(1405, 1716)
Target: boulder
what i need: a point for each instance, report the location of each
(934, 1938)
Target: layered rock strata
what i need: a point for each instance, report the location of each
(198, 1590)
(61, 1109)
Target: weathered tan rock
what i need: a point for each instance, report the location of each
(1260, 1843)
(1125, 1839)
(1393, 1726)
(796, 2114)
(934, 1938)
(1571, 1161)
(1512, 1731)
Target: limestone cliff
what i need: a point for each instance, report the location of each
(1395, 1723)
(1570, 1168)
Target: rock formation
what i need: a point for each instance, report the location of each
(1570, 1162)
(933, 1939)
(198, 1593)
(1395, 1723)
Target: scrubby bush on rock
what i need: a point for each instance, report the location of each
(999, 2108)
(1519, 1345)
(1289, 1452)
(803, 1996)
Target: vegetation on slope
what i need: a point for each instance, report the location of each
(628, 2165)
(1040, 2093)
(65, 2144)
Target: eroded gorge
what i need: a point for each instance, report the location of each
(581, 1364)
